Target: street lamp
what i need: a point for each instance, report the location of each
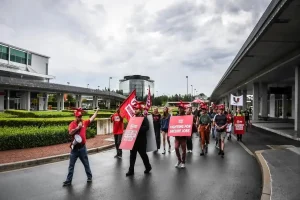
(187, 85)
(192, 92)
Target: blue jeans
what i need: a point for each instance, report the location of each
(82, 154)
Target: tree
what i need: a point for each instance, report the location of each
(84, 100)
(52, 98)
(70, 98)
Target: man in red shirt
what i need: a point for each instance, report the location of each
(79, 126)
(118, 129)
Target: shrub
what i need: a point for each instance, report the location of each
(38, 122)
(7, 115)
(38, 114)
(28, 137)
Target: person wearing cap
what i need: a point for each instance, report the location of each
(204, 126)
(165, 120)
(180, 141)
(118, 129)
(79, 126)
(140, 144)
(221, 124)
(239, 113)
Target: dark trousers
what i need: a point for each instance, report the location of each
(118, 139)
(82, 155)
(189, 143)
(239, 136)
(157, 137)
(142, 151)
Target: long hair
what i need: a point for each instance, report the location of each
(166, 113)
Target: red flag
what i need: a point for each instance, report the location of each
(148, 103)
(126, 108)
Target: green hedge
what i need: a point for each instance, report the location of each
(7, 115)
(38, 122)
(28, 137)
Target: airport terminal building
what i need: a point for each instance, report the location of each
(22, 64)
(268, 67)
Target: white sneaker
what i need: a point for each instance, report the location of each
(177, 164)
(182, 165)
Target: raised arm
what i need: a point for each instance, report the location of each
(94, 115)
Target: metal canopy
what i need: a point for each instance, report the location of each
(22, 84)
(274, 40)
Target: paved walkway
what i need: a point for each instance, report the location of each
(237, 176)
(284, 166)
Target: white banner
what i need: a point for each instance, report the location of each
(236, 100)
(151, 139)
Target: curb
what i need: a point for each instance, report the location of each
(45, 160)
(276, 132)
(266, 176)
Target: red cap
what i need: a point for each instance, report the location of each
(182, 105)
(139, 105)
(203, 107)
(221, 106)
(78, 112)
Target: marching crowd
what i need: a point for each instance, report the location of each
(217, 122)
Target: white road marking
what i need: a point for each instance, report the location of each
(244, 147)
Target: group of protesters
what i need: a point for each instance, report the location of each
(217, 122)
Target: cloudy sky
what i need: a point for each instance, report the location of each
(90, 40)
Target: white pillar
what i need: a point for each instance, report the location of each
(264, 99)
(41, 103)
(58, 98)
(108, 104)
(60, 101)
(284, 106)
(297, 95)
(28, 101)
(2, 100)
(255, 101)
(78, 101)
(46, 102)
(95, 100)
(272, 105)
(244, 100)
(8, 100)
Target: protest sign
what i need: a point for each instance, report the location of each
(131, 132)
(239, 124)
(180, 125)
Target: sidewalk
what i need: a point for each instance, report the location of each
(17, 155)
(279, 158)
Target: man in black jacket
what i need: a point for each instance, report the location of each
(140, 144)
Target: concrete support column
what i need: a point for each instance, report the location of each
(297, 100)
(239, 93)
(27, 100)
(78, 101)
(244, 100)
(2, 93)
(41, 103)
(60, 102)
(226, 102)
(284, 106)
(264, 99)
(46, 102)
(272, 105)
(95, 101)
(255, 110)
(8, 100)
(108, 104)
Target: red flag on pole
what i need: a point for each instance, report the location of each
(126, 108)
(148, 103)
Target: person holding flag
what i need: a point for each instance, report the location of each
(118, 129)
(140, 144)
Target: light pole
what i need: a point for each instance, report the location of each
(195, 92)
(192, 92)
(187, 85)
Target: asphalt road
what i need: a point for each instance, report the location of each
(237, 176)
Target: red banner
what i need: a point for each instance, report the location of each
(131, 132)
(181, 125)
(239, 124)
(126, 108)
(148, 103)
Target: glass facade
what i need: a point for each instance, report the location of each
(3, 52)
(18, 56)
(140, 85)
